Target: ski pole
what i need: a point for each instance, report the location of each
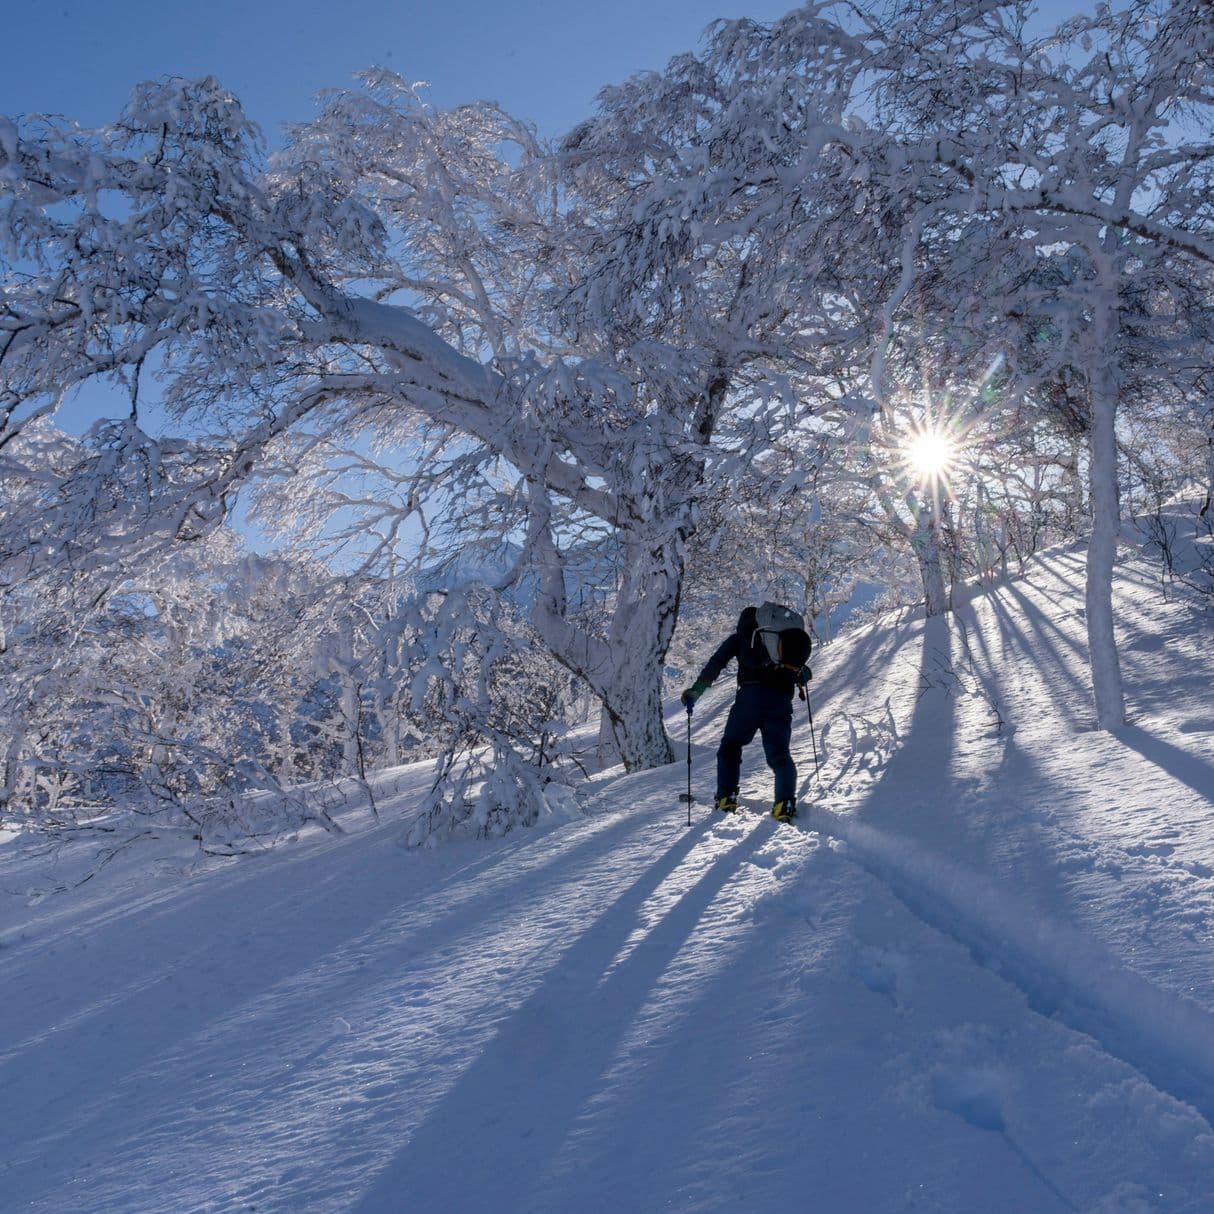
(812, 739)
(687, 795)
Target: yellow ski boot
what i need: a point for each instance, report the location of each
(784, 811)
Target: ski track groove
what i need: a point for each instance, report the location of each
(1132, 1021)
(1063, 972)
(1058, 969)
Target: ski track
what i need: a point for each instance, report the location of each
(1062, 971)
(628, 1014)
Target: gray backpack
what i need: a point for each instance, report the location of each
(772, 619)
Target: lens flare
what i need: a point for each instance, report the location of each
(930, 454)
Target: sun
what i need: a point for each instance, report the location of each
(930, 454)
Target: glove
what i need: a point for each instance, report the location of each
(692, 694)
(803, 677)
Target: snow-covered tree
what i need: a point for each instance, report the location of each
(1089, 148)
(487, 679)
(427, 334)
(583, 324)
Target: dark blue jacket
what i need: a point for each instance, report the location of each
(753, 664)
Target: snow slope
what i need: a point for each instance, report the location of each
(978, 978)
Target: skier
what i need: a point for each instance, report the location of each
(771, 647)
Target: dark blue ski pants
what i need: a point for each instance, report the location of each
(765, 710)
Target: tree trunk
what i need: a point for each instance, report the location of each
(349, 700)
(387, 710)
(1075, 504)
(12, 775)
(625, 670)
(390, 724)
(926, 543)
(647, 609)
(286, 746)
(1106, 524)
(636, 724)
(607, 751)
(1207, 506)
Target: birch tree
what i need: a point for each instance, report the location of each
(1091, 145)
(427, 329)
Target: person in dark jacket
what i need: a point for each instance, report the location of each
(763, 705)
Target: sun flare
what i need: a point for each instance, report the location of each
(930, 454)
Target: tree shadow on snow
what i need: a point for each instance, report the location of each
(919, 768)
(948, 799)
(508, 1114)
(1179, 764)
(1032, 631)
(221, 997)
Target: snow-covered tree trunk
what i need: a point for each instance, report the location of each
(926, 544)
(1076, 495)
(641, 636)
(12, 774)
(285, 716)
(1106, 521)
(625, 670)
(635, 711)
(607, 752)
(1207, 505)
(389, 720)
(349, 717)
(385, 702)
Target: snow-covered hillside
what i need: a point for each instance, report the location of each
(977, 977)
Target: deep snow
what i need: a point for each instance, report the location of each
(977, 978)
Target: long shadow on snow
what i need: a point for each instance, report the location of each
(755, 1063)
(1148, 690)
(881, 645)
(1016, 783)
(936, 804)
(1165, 1036)
(921, 762)
(732, 1075)
(122, 1030)
(509, 1112)
(986, 665)
(1036, 643)
(1179, 764)
(1044, 624)
(939, 808)
(1067, 571)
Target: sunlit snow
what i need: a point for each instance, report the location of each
(976, 977)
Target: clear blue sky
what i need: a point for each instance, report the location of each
(541, 59)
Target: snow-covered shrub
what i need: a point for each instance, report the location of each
(487, 792)
(506, 705)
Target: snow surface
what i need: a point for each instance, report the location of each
(978, 977)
